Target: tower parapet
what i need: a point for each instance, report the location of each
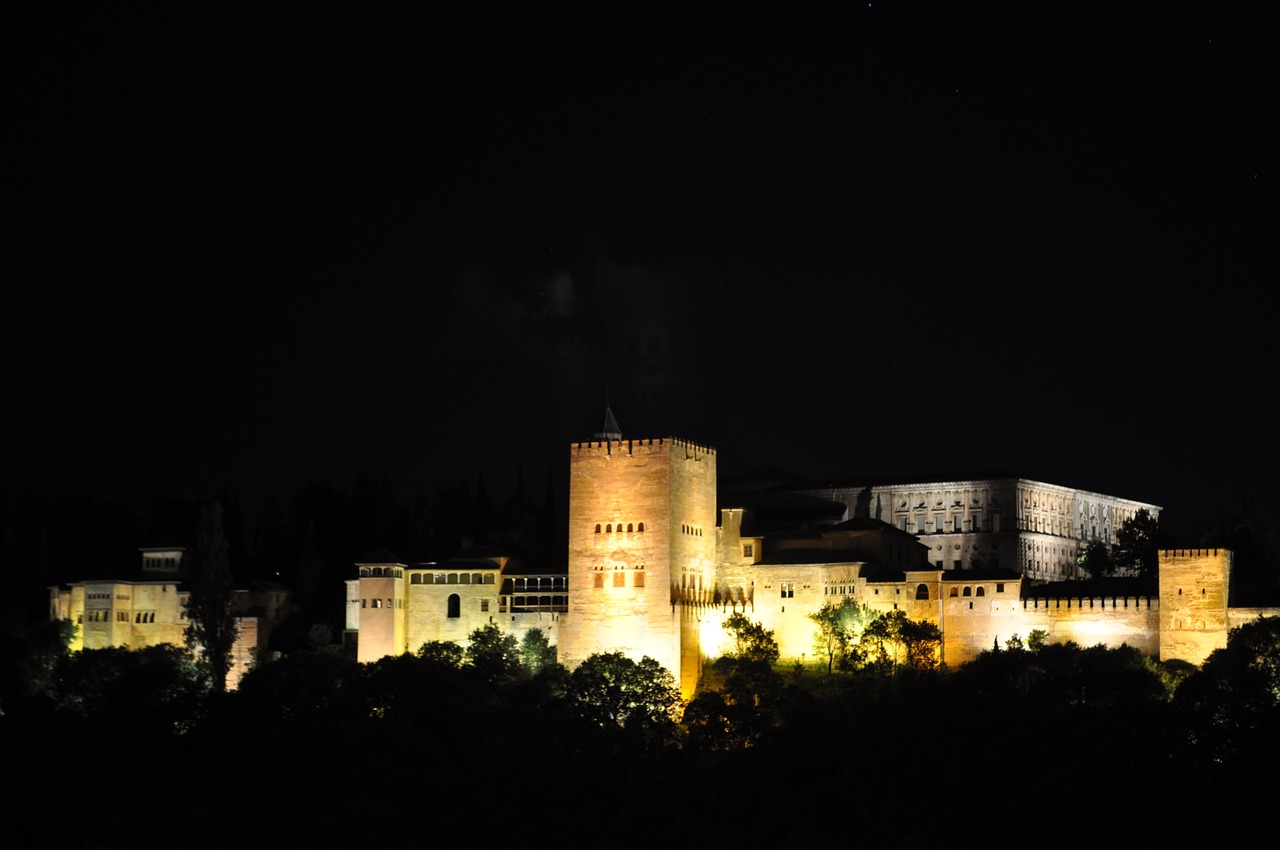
(632, 446)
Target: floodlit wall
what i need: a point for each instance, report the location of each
(451, 609)
(642, 545)
(1193, 602)
(382, 618)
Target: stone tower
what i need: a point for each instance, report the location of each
(376, 605)
(1193, 602)
(642, 549)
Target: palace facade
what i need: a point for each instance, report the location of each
(150, 609)
(655, 564)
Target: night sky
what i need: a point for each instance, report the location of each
(255, 245)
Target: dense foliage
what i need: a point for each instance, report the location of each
(312, 745)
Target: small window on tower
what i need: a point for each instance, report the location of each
(748, 550)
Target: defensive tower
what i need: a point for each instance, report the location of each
(642, 549)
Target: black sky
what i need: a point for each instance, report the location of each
(253, 246)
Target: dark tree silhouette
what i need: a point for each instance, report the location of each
(494, 655)
(1095, 559)
(212, 629)
(751, 640)
(1135, 551)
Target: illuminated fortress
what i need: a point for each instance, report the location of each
(653, 571)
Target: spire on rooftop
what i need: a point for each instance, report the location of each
(610, 430)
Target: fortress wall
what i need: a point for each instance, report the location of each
(1111, 621)
(972, 625)
(1237, 617)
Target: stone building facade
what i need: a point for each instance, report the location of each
(151, 611)
(394, 607)
(655, 566)
(996, 521)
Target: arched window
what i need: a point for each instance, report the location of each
(628, 528)
(982, 591)
(609, 528)
(455, 607)
(415, 578)
(955, 591)
(640, 527)
(453, 578)
(464, 578)
(597, 528)
(922, 591)
(968, 591)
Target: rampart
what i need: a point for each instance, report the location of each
(634, 447)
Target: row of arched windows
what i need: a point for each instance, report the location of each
(451, 578)
(610, 528)
(381, 572)
(541, 603)
(540, 582)
(691, 529)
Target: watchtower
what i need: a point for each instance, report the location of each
(1194, 585)
(642, 549)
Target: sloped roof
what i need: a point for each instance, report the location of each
(609, 430)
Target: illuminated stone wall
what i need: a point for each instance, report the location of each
(121, 613)
(244, 651)
(652, 573)
(1005, 523)
(1193, 602)
(137, 615)
(1108, 620)
(642, 546)
(448, 609)
(382, 618)
(974, 613)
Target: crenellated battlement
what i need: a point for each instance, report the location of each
(1189, 553)
(651, 445)
(1091, 603)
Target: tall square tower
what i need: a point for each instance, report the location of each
(642, 551)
